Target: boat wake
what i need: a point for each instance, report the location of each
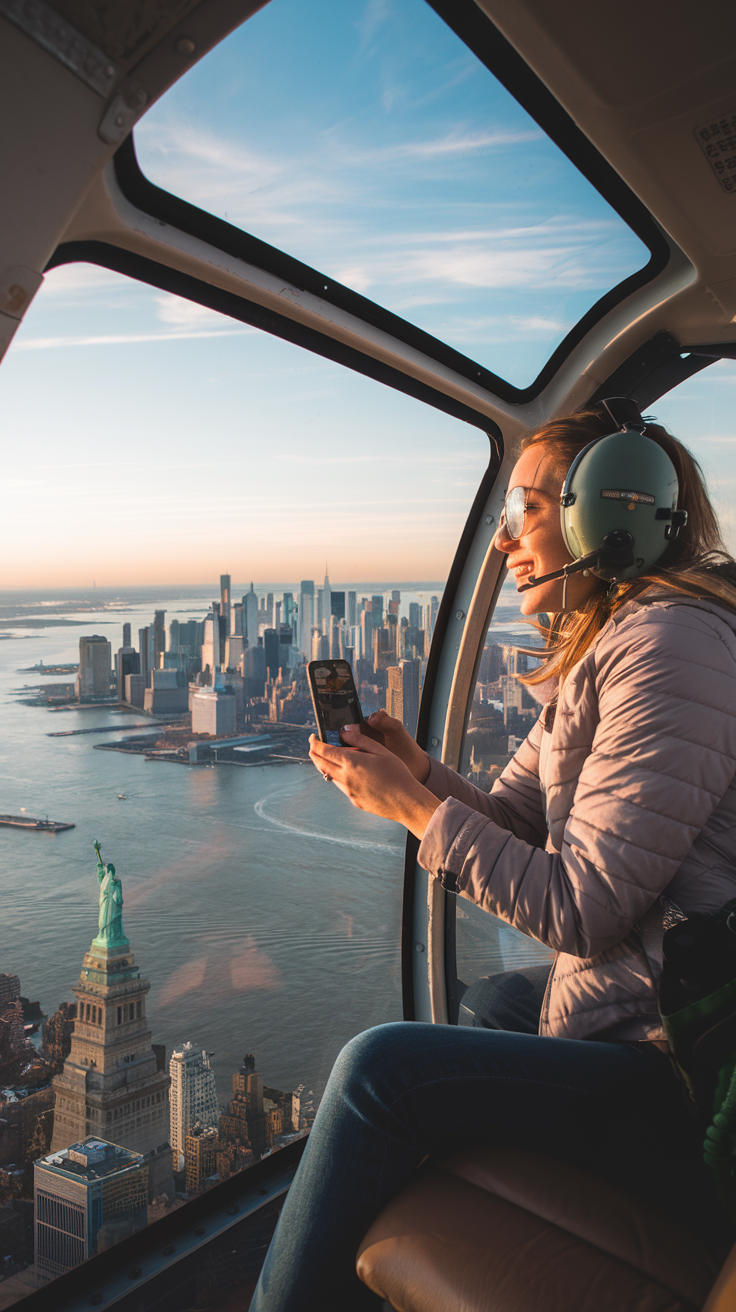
(359, 843)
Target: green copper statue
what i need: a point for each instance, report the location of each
(111, 905)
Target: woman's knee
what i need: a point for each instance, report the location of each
(371, 1051)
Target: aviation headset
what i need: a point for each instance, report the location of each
(618, 506)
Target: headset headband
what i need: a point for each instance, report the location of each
(624, 414)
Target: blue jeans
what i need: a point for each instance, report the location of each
(400, 1091)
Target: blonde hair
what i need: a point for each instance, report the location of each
(695, 564)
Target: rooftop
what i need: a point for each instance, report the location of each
(92, 1159)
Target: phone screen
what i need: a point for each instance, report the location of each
(335, 698)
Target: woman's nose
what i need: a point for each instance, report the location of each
(503, 541)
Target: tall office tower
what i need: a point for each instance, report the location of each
(200, 1157)
(269, 609)
(366, 635)
(415, 615)
(394, 606)
(277, 615)
(271, 645)
(225, 599)
(511, 692)
(143, 666)
(85, 1197)
(320, 608)
(174, 637)
(235, 640)
(337, 602)
(95, 667)
(334, 638)
(254, 671)
(287, 609)
(394, 693)
(250, 613)
(159, 637)
(113, 1081)
(307, 616)
(126, 634)
(377, 611)
(352, 615)
(320, 646)
(433, 608)
(244, 1120)
(127, 661)
(392, 624)
(326, 598)
(193, 1095)
(383, 655)
(396, 595)
(211, 653)
(402, 693)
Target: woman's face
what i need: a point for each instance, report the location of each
(540, 548)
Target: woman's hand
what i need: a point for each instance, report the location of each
(375, 780)
(399, 741)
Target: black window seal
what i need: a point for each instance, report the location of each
(503, 61)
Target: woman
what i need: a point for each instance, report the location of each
(621, 802)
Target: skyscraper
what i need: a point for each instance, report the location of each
(81, 1192)
(250, 617)
(126, 634)
(402, 693)
(144, 669)
(306, 617)
(211, 651)
(337, 603)
(326, 598)
(271, 644)
(95, 668)
(352, 615)
(113, 1082)
(159, 637)
(193, 1095)
(225, 599)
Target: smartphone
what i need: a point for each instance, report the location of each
(335, 698)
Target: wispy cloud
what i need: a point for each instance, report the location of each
(124, 339)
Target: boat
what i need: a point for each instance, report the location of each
(28, 822)
(122, 797)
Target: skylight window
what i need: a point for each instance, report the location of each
(365, 139)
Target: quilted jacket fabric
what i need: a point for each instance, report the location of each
(630, 797)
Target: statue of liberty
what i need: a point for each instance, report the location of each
(111, 905)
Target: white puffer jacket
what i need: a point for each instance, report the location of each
(629, 797)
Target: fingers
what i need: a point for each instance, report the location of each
(353, 737)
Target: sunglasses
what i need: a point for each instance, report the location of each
(513, 515)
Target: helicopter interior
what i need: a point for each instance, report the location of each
(639, 102)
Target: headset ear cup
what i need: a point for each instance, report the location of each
(622, 487)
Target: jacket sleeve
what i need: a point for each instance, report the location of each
(663, 755)
(515, 800)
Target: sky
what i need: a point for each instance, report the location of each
(155, 442)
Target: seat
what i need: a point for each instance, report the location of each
(503, 1230)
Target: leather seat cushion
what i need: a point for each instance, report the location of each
(502, 1230)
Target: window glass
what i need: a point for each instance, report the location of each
(165, 459)
(700, 413)
(369, 142)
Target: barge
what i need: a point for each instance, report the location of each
(27, 822)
